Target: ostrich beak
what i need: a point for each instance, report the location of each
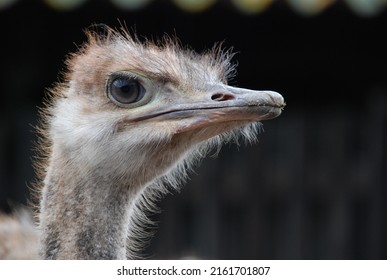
(224, 104)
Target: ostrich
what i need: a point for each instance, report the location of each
(127, 122)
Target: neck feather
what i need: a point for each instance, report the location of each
(84, 216)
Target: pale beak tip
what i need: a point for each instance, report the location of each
(277, 99)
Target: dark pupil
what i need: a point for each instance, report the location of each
(125, 90)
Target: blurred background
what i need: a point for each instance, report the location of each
(314, 187)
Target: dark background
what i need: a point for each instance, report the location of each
(315, 185)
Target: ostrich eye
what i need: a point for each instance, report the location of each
(125, 90)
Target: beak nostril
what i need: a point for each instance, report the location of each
(222, 97)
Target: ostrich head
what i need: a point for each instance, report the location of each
(129, 118)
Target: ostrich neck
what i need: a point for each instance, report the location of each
(84, 215)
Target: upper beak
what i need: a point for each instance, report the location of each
(259, 105)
